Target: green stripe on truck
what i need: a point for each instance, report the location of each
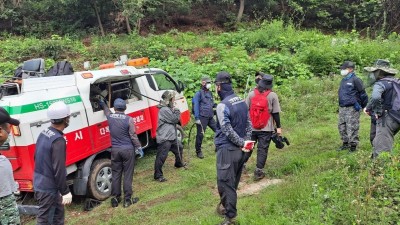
(14, 110)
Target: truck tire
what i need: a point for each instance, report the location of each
(180, 133)
(99, 183)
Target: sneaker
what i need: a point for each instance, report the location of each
(160, 179)
(115, 201)
(258, 174)
(128, 202)
(345, 146)
(200, 155)
(228, 221)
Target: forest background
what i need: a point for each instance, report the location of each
(300, 42)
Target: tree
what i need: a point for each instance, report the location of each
(93, 3)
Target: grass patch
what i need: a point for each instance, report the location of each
(321, 185)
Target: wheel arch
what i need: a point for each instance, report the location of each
(80, 183)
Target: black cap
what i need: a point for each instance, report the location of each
(5, 118)
(266, 81)
(347, 64)
(223, 78)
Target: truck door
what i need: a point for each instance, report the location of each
(76, 134)
(162, 81)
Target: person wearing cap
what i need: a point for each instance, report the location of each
(50, 173)
(168, 118)
(263, 135)
(125, 147)
(352, 99)
(203, 110)
(9, 213)
(382, 106)
(232, 134)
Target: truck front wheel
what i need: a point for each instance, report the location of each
(99, 184)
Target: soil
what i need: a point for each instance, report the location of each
(249, 187)
(255, 188)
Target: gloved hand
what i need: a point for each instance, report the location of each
(198, 122)
(139, 153)
(101, 102)
(67, 199)
(248, 146)
(367, 112)
(357, 106)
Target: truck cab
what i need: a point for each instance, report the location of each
(88, 139)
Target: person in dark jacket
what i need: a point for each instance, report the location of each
(125, 146)
(203, 107)
(233, 131)
(168, 118)
(9, 213)
(50, 173)
(382, 107)
(352, 99)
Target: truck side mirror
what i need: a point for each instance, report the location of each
(181, 86)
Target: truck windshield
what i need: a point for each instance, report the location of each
(164, 82)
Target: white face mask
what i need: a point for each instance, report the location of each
(344, 72)
(208, 86)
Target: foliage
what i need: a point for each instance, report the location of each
(320, 185)
(78, 17)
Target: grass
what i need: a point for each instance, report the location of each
(321, 185)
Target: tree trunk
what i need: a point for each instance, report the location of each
(138, 25)
(128, 26)
(98, 18)
(240, 14)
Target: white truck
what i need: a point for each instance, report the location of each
(88, 140)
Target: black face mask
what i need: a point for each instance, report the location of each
(66, 122)
(257, 80)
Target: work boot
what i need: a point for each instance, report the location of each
(345, 146)
(221, 209)
(180, 165)
(200, 155)
(115, 201)
(128, 202)
(258, 174)
(228, 221)
(353, 148)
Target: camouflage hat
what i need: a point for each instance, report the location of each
(381, 64)
(167, 96)
(206, 79)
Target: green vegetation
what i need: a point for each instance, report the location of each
(43, 18)
(321, 186)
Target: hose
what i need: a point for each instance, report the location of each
(179, 152)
